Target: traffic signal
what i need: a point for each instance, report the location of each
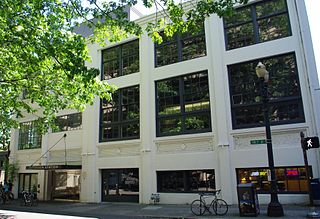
(311, 142)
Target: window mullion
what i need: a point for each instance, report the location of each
(255, 24)
(179, 47)
(120, 114)
(182, 104)
(120, 62)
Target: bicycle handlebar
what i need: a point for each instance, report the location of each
(213, 193)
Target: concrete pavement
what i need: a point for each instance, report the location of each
(131, 210)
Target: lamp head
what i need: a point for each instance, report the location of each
(262, 72)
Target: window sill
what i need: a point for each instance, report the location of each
(185, 138)
(132, 142)
(277, 129)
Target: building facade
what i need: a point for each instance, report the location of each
(187, 116)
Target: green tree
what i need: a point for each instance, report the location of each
(43, 59)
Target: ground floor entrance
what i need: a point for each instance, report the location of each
(65, 184)
(28, 182)
(120, 185)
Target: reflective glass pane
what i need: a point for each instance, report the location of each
(240, 36)
(130, 130)
(168, 97)
(166, 54)
(193, 47)
(241, 15)
(110, 54)
(196, 90)
(130, 58)
(274, 28)
(270, 7)
(111, 69)
(197, 122)
(170, 125)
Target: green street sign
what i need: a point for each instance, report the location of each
(258, 141)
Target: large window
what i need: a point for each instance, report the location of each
(29, 136)
(289, 179)
(285, 102)
(120, 117)
(183, 105)
(180, 48)
(255, 23)
(186, 181)
(120, 60)
(68, 122)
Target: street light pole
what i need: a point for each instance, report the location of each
(274, 208)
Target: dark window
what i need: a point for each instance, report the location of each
(120, 117)
(289, 179)
(180, 48)
(120, 60)
(29, 136)
(256, 23)
(183, 105)
(28, 182)
(285, 102)
(68, 122)
(186, 181)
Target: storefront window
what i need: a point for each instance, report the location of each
(186, 181)
(289, 179)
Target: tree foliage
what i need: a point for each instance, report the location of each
(42, 58)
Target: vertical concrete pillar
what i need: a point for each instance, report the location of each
(147, 120)
(90, 190)
(218, 83)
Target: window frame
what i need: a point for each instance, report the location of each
(254, 20)
(178, 40)
(120, 123)
(30, 133)
(69, 122)
(119, 59)
(278, 101)
(182, 114)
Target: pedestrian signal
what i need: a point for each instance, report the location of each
(311, 142)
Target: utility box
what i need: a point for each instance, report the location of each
(248, 200)
(315, 188)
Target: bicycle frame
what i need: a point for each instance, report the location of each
(217, 205)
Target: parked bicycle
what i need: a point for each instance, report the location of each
(29, 199)
(217, 205)
(6, 197)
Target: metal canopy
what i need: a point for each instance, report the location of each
(54, 167)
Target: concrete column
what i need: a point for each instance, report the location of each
(90, 189)
(219, 97)
(147, 120)
(44, 179)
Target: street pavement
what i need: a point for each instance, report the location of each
(61, 210)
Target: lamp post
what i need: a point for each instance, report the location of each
(274, 208)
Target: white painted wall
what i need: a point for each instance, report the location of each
(223, 149)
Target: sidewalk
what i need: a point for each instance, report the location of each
(131, 210)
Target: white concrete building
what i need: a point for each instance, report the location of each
(187, 116)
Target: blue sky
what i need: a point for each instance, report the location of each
(313, 10)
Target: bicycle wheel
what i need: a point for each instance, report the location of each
(35, 202)
(198, 207)
(220, 207)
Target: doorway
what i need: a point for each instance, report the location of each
(27, 182)
(120, 185)
(66, 184)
